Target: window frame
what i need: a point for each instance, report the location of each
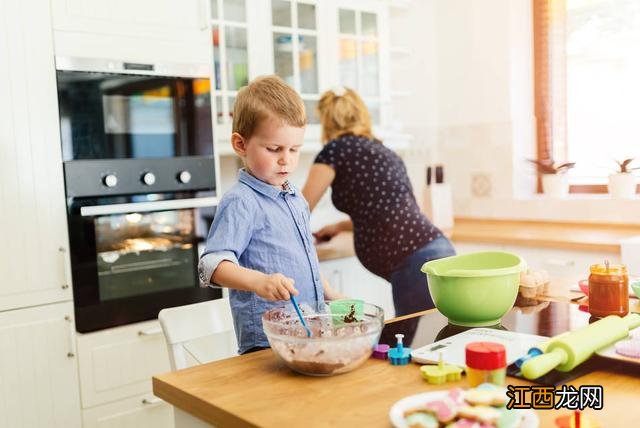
(550, 101)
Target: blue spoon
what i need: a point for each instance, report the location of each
(297, 308)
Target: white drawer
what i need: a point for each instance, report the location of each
(563, 263)
(119, 362)
(142, 411)
(472, 247)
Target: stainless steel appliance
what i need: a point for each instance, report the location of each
(140, 186)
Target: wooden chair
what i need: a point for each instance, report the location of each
(198, 333)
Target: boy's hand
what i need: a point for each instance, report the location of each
(276, 287)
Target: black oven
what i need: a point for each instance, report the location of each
(140, 186)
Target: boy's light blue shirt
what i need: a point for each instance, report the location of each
(261, 227)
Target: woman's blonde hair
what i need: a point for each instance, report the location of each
(266, 97)
(343, 112)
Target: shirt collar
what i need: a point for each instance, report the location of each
(265, 188)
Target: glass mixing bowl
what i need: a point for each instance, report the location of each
(339, 343)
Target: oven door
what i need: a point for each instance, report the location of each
(132, 259)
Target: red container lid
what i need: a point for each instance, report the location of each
(485, 356)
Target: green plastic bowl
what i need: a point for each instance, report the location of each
(474, 289)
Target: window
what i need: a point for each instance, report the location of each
(587, 64)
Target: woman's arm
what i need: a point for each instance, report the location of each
(319, 179)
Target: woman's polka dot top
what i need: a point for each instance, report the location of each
(372, 186)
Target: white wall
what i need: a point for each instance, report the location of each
(471, 107)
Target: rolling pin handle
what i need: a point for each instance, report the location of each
(543, 364)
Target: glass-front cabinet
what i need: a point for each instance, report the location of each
(294, 31)
(229, 29)
(312, 44)
(359, 59)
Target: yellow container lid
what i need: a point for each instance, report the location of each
(608, 269)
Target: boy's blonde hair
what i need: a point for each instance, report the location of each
(266, 97)
(343, 112)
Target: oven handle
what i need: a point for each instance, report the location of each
(173, 204)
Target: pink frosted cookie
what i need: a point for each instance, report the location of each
(445, 410)
(635, 334)
(629, 348)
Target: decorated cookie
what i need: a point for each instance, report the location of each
(486, 397)
(629, 348)
(421, 420)
(484, 414)
(635, 333)
(445, 410)
(466, 423)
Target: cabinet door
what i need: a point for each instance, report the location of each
(119, 362)
(138, 31)
(144, 411)
(361, 50)
(33, 254)
(468, 247)
(184, 20)
(348, 276)
(38, 368)
(562, 263)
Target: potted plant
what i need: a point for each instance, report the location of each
(622, 184)
(555, 182)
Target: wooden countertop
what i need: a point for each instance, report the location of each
(543, 234)
(571, 236)
(258, 390)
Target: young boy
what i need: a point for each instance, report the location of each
(260, 243)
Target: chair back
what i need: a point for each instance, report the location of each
(198, 333)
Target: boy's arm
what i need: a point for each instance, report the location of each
(270, 287)
(329, 292)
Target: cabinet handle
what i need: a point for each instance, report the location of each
(152, 401)
(153, 331)
(560, 262)
(72, 337)
(63, 253)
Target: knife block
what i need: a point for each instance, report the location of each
(437, 205)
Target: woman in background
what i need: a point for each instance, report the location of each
(369, 182)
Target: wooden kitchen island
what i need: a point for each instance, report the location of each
(259, 390)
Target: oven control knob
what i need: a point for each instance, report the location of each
(184, 177)
(148, 178)
(110, 180)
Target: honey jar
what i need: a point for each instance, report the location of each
(608, 290)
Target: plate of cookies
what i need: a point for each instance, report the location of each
(481, 407)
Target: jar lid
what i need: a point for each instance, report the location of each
(485, 355)
(608, 269)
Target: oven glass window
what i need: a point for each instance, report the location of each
(118, 116)
(143, 253)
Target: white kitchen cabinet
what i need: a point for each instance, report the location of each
(360, 49)
(308, 43)
(348, 276)
(559, 263)
(119, 362)
(137, 31)
(34, 256)
(468, 247)
(562, 263)
(38, 368)
(142, 411)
